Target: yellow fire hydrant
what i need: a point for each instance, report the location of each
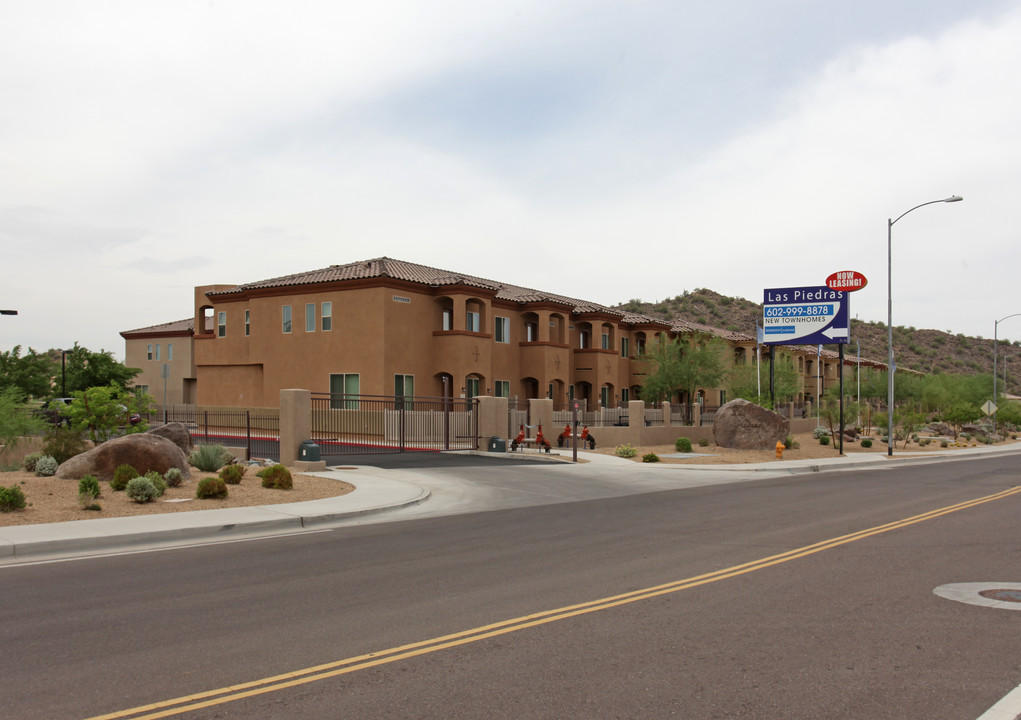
(779, 449)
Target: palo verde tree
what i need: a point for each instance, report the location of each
(682, 364)
(745, 381)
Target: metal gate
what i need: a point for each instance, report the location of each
(346, 424)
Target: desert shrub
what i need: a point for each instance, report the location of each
(703, 442)
(141, 489)
(157, 482)
(63, 442)
(211, 488)
(625, 451)
(12, 498)
(943, 443)
(174, 477)
(232, 474)
(88, 487)
(866, 442)
(924, 441)
(46, 466)
(121, 476)
(824, 439)
(820, 432)
(276, 476)
(682, 444)
(30, 460)
(650, 457)
(93, 506)
(209, 458)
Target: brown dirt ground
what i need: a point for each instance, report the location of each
(55, 500)
(51, 499)
(809, 449)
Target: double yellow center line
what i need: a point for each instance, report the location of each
(234, 693)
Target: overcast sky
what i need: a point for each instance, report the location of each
(602, 149)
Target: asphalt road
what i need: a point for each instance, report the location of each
(712, 602)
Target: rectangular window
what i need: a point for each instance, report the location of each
(471, 387)
(624, 347)
(448, 319)
(158, 350)
(625, 395)
(723, 401)
(148, 351)
(327, 319)
(472, 321)
(604, 397)
(502, 330)
(640, 346)
(310, 317)
(583, 339)
(345, 388)
(606, 341)
(286, 319)
(248, 323)
(531, 332)
(404, 387)
(221, 324)
(502, 388)
(170, 352)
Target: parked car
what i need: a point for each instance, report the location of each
(51, 411)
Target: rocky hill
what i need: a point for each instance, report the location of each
(927, 351)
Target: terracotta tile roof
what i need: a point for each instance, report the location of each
(385, 267)
(177, 327)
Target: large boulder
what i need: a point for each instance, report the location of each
(745, 426)
(142, 451)
(177, 433)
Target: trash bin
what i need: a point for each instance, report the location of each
(497, 444)
(309, 451)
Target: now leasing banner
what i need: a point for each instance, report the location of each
(805, 316)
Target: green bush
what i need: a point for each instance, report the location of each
(93, 506)
(11, 498)
(157, 482)
(141, 489)
(650, 457)
(211, 488)
(682, 444)
(88, 487)
(232, 474)
(121, 476)
(824, 439)
(276, 476)
(625, 451)
(174, 477)
(209, 458)
(46, 466)
(63, 442)
(703, 442)
(943, 443)
(30, 460)
(866, 442)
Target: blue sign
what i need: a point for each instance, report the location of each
(805, 316)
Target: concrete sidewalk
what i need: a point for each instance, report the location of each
(376, 490)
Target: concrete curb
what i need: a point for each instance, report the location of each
(26, 543)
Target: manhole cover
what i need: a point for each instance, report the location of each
(1003, 595)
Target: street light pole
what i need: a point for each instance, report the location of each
(889, 317)
(996, 326)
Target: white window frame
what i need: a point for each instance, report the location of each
(221, 324)
(310, 317)
(501, 388)
(326, 316)
(501, 329)
(286, 323)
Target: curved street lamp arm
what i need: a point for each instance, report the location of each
(952, 198)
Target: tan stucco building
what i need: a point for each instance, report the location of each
(386, 327)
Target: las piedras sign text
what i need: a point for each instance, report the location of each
(814, 315)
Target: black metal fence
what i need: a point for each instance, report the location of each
(347, 424)
(257, 432)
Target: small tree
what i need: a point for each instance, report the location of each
(104, 411)
(960, 414)
(682, 364)
(16, 419)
